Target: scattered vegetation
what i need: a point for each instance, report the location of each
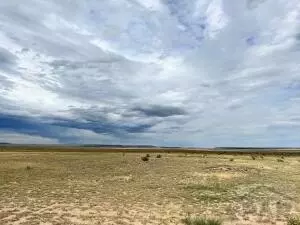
(28, 168)
(201, 221)
(253, 157)
(294, 221)
(232, 187)
(212, 191)
(145, 158)
(280, 160)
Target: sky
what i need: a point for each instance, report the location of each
(199, 73)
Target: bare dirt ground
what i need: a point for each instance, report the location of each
(61, 188)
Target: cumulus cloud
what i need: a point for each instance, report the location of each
(196, 73)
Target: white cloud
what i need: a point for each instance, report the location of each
(17, 138)
(151, 4)
(228, 66)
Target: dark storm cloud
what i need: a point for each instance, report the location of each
(160, 111)
(57, 128)
(103, 127)
(98, 120)
(26, 125)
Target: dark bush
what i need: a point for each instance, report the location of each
(158, 156)
(145, 158)
(28, 168)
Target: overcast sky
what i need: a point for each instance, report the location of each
(161, 72)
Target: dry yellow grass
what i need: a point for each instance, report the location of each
(61, 188)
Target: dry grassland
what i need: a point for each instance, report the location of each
(61, 188)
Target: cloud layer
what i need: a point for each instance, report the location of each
(163, 72)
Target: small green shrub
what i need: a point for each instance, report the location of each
(231, 160)
(158, 156)
(201, 221)
(253, 157)
(145, 158)
(148, 155)
(293, 221)
(280, 160)
(28, 168)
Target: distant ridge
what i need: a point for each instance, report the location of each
(253, 148)
(220, 148)
(118, 146)
(146, 148)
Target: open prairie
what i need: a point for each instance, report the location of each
(63, 188)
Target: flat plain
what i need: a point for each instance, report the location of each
(109, 188)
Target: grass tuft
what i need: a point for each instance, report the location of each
(293, 221)
(201, 221)
(158, 156)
